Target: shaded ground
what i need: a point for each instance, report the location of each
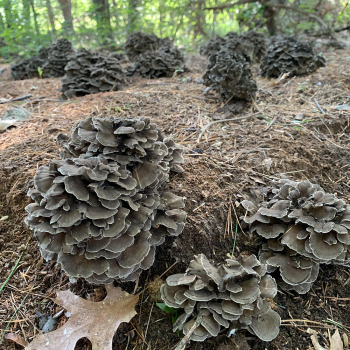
(282, 132)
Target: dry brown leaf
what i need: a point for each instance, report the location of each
(96, 321)
(336, 342)
(15, 338)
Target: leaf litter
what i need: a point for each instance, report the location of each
(98, 321)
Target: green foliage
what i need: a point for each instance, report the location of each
(40, 72)
(169, 310)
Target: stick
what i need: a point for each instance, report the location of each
(186, 338)
(17, 99)
(319, 107)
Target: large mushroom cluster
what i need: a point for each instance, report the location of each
(90, 73)
(303, 226)
(57, 59)
(230, 75)
(231, 296)
(251, 44)
(138, 43)
(287, 54)
(162, 62)
(29, 68)
(103, 208)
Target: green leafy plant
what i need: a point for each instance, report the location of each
(169, 310)
(40, 72)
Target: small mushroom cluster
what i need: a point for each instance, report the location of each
(103, 208)
(162, 62)
(29, 68)
(231, 296)
(252, 45)
(230, 74)
(303, 226)
(57, 58)
(287, 54)
(138, 43)
(90, 73)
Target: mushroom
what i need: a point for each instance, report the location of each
(230, 75)
(230, 295)
(98, 218)
(287, 54)
(306, 227)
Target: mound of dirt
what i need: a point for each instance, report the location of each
(212, 46)
(230, 74)
(160, 63)
(57, 59)
(90, 73)
(138, 43)
(287, 54)
(28, 69)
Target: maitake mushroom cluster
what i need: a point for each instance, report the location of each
(101, 210)
(230, 74)
(304, 226)
(29, 68)
(252, 45)
(90, 73)
(287, 54)
(231, 296)
(57, 58)
(162, 62)
(138, 43)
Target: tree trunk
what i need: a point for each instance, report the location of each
(66, 7)
(35, 18)
(103, 18)
(26, 10)
(197, 9)
(132, 16)
(51, 16)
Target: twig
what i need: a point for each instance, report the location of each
(319, 107)
(17, 99)
(219, 121)
(139, 333)
(149, 317)
(186, 338)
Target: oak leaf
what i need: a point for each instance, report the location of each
(98, 321)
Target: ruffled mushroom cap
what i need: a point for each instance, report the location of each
(259, 42)
(212, 46)
(286, 54)
(231, 296)
(138, 43)
(28, 68)
(101, 210)
(162, 62)
(304, 226)
(230, 74)
(90, 73)
(58, 56)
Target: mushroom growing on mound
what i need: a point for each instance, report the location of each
(230, 75)
(57, 58)
(287, 54)
(259, 42)
(91, 73)
(28, 69)
(303, 226)
(231, 296)
(103, 208)
(138, 43)
(162, 62)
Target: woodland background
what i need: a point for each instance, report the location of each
(28, 25)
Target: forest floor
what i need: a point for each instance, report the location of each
(282, 132)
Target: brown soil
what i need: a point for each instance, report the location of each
(224, 163)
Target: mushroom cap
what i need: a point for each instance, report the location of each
(266, 326)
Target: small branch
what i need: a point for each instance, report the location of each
(17, 99)
(222, 7)
(186, 338)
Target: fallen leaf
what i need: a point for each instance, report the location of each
(15, 338)
(336, 343)
(315, 343)
(96, 321)
(342, 107)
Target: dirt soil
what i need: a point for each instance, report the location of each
(292, 128)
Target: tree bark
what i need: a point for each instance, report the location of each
(35, 18)
(103, 19)
(66, 7)
(198, 11)
(132, 16)
(51, 16)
